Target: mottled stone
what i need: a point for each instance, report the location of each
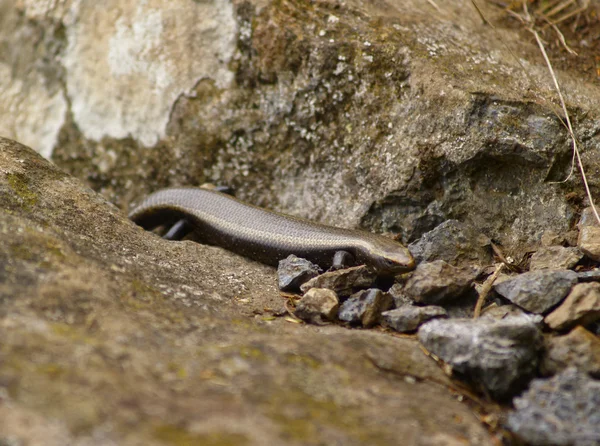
(408, 318)
(501, 356)
(294, 271)
(344, 281)
(555, 257)
(560, 411)
(589, 234)
(399, 296)
(582, 306)
(435, 282)
(579, 348)
(365, 307)
(318, 305)
(537, 291)
(454, 242)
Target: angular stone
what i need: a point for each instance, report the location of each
(537, 291)
(453, 242)
(589, 235)
(579, 348)
(501, 356)
(555, 257)
(365, 307)
(409, 317)
(344, 281)
(317, 306)
(592, 275)
(582, 306)
(435, 282)
(399, 296)
(560, 411)
(294, 271)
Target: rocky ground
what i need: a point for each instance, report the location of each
(416, 118)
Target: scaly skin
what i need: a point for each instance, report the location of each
(267, 236)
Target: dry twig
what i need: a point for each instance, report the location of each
(485, 290)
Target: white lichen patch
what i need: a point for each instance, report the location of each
(30, 113)
(128, 62)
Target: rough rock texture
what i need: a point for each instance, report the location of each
(579, 349)
(455, 243)
(589, 235)
(365, 307)
(537, 291)
(582, 306)
(318, 305)
(111, 335)
(394, 115)
(555, 257)
(409, 317)
(435, 282)
(500, 356)
(294, 271)
(344, 281)
(560, 411)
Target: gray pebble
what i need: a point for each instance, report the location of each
(409, 317)
(501, 356)
(560, 411)
(317, 306)
(294, 271)
(365, 307)
(537, 291)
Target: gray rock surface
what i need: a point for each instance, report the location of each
(112, 335)
(294, 271)
(318, 305)
(499, 356)
(579, 349)
(455, 243)
(436, 282)
(555, 257)
(399, 296)
(344, 281)
(582, 306)
(560, 411)
(365, 307)
(396, 124)
(537, 291)
(408, 318)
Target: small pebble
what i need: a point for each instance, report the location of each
(579, 348)
(589, 235)
(399, 296)
(344, 281)
(409, 317)
(317, 306)
(582, 306)
(537, 291)
(454, 242)
(435, 282)
(294, 271)
(555, 257)
(365, 307)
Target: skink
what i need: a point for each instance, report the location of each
(267, 236)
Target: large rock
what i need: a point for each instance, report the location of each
(393, 115)
(111, 335)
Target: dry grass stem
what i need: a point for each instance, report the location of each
(485, 290)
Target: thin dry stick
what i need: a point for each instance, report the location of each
(568, 119)
(485, 290)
